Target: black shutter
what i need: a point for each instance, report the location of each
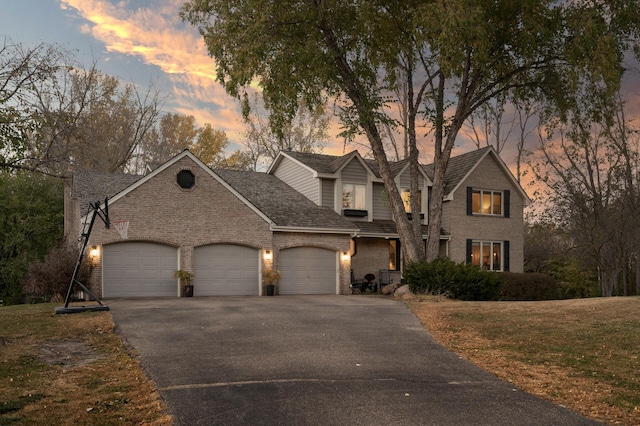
(469, 250)
(469, 201)
(506, 256)
(507, 203)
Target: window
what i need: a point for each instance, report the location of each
(486, 202)
(406, 199)
(487, 255)
(186, 179)
(353, 196)
(394, 255)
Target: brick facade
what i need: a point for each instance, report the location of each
(160, 211)
(489, 176)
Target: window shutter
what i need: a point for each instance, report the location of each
(469, 201)
(469, 249)
(507, 203)
(506, 256)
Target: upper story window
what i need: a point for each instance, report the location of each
(487, 202)
(406, 199)
(353, 196)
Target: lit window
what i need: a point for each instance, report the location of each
(487, 255)
(486, 202)
(353, 196)
(393, 255)
(406, 199)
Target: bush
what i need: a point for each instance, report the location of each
(529, 286)
(50, 278)
(459, 281)
(575, 278)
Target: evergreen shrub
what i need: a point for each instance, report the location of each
(529, 286)
(456, 280)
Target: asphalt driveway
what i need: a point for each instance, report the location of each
(314, 360)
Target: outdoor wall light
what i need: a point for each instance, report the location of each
(267, 255)
(345, 256)
(94, 253)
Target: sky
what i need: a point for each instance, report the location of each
(139, 41)
(146, 42)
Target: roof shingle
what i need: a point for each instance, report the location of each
(91, 186)
(282, 204)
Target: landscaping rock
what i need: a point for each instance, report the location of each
(389, 289)
(403, 291)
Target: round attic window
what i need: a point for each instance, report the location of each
(186, 179)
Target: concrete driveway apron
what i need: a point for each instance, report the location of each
(314, 360)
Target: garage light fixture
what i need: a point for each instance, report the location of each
(345, 256)
(267, 255)
(94, 254)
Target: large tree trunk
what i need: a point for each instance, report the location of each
(359, 96)
(412, 246)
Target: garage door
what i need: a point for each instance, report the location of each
(226, 270)
(308, 270)
(139, 269)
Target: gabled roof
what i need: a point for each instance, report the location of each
(285, 206)
(461, 166)
(458, 168)
(331, 164)
(277, 203)
(320, 163)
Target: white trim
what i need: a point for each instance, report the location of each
(282, 155)
(338, 269)
(483, 191)
(260, 266)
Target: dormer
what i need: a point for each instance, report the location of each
(353, 189)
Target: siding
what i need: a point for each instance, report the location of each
(328, 192)
(405, 180)
(299, 178)
(381, 206)
(354, 172)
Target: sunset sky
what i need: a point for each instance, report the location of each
(142, 41)
(145, 41)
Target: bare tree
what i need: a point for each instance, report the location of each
(591, 172)
(488, 125)
(525, 113)
(55, 110)
(21, 68)
(307, 131)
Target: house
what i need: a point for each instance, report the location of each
(314, 217)
(482, 217)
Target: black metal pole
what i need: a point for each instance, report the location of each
(85, 236)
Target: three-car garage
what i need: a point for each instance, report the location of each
(144, 269)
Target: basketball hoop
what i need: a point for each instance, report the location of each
(122, 226)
